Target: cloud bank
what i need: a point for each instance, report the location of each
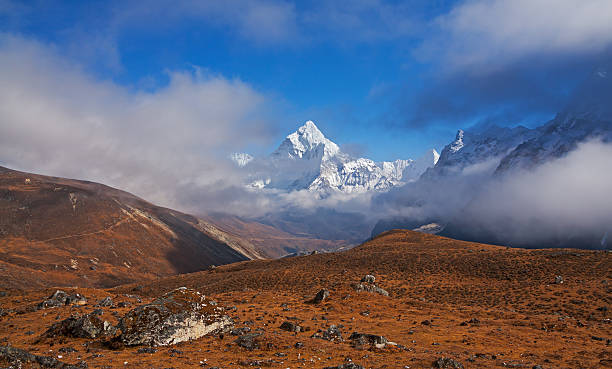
(564, 202)
(484, 35)
(165, 145)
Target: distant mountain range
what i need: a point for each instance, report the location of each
(495, 152)
(307, 160)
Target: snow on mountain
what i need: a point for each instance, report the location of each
(587, 116)
(306, 159)
(477, 146)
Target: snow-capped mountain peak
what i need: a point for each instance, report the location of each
(458, 143)
(307, 141)
(306, 159)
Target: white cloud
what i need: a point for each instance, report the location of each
(166, 145)
(489, 34)
(564, 199)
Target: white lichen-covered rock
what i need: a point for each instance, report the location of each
(180, 315)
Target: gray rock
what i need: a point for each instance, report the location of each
(447, 363)
(17, 357)
(87, 326)
(61, 298)
(345, 366)
(322, 295)
(291, 327)
(370, 288)
(105, 302)
(366, 339)
(558, 279)
(368, 279)
(249, 341)
(180, 315)
(331, 334)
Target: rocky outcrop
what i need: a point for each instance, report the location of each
(180, 315)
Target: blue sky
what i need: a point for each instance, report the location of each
(385, 79)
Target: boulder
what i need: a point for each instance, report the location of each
(368, 279)
(291, 327)
(366, 339)
(105, 302)
(180, 315)
(249, 341)
(320, 296)
(331, 334)
(17, 357)
(61, 298)
(447, 363)
(87, 326)
(370, 288)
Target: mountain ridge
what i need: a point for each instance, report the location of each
(307, 160)
(59, 231)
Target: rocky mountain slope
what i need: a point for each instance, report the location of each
(404, 299)
(307, 160)
(271, 241)
(56, 231)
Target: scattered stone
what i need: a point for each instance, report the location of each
(559, 279)
(147, 350)
(298, 345)
(291, 327)
(67, 350)
(87, 326)
(472, 321)
(180, 315)
(321, 296)
(365, 339)
(61, 298)
(17, 357)
(345, 366)
(370, 288)
(368, 279)
(105, 302)
(331, 334)
(240, 331)
(249, 341)
(257, 363)
(537, 367)
(446, 363)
